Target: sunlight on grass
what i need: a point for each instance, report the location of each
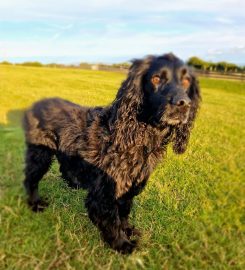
(191, 213)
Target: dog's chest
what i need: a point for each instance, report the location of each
(133, 164)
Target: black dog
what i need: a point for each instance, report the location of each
(112, 150)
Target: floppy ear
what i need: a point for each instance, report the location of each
(128, 102)
(182, 132)
(130, 95)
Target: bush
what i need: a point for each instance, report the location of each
(5, 63)
(32, 64)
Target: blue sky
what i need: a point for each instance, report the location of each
(113, 31)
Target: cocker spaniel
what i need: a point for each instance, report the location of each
(111, 151)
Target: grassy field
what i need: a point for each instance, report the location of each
(191, 213)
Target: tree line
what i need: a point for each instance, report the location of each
(194, 61)
(212, 66)
(124, 65)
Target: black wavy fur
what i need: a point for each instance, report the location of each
(111, 151)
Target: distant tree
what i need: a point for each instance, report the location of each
(6, 63)
(225, 66)
(232, 67)
(220, 66)
(32, 64)
(211, 66)
(197, 62)
(240, 68)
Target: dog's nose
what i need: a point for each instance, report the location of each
(183, 102)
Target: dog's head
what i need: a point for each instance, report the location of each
(162, 91)
(168, 90)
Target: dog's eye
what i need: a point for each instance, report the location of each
(186, 81)
(155, 80)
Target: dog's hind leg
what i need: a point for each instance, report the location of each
(71, 170)
(38, 161)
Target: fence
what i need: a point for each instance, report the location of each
(211, 74)
(222, 75)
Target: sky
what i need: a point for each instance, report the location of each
(112, 31)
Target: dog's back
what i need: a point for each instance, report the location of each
(51, 120)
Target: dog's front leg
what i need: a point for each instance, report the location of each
(124, 208)
(103, 211)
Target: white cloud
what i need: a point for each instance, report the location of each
(74, 9)
(128, 46)
(55, 36)
(224, 20)
(164, 26)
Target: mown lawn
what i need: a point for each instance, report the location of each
(191, 213)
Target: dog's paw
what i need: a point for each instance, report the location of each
(132, 231)
(124, 246)
(128, 247)
(38, 205)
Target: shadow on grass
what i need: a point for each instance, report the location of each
(14, 120)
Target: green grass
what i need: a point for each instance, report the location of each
(191, 213)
